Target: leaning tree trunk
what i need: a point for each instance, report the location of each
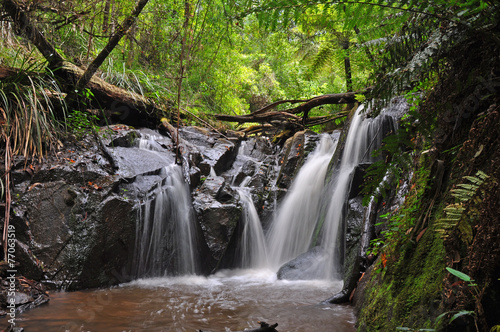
(27, 28)
(113, 41)
(120, 104)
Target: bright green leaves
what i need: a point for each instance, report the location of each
(459, 274)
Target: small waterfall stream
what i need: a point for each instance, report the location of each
(170, 296)
(293, 227)
(165, 239)
(253, 242)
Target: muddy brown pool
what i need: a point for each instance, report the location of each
(227, 301)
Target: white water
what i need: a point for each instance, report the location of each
(364, 136)
(253, 242)
(292, 229)
(310, 214)
(165, 239)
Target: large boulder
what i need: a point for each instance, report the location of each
(110, 250)
(218, 222)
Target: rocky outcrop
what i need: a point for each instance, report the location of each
(217, 213)
(61, 218)
(76, 214)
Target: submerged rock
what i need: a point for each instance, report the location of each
(306, 266)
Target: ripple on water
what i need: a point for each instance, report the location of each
(226, 301)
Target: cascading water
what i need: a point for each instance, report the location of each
(302, 220)
(292, 229)
(165, 238)
(364, 136)
(253, 242)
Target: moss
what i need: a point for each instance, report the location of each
(403, 293)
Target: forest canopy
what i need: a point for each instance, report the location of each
(200, 58)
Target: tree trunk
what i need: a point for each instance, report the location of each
(105, 17)
(25, 27)
(92, 68)
(347, 68)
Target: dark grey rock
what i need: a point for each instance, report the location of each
(132, 162)
(218, 222)
(220, 157)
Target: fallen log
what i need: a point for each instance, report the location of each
(121, 105)
(260, 118)
(265, 115)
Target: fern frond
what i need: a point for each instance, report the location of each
(324, 55)
(455, 218)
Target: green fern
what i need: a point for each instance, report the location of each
(455, 218)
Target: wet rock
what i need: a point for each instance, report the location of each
(118, 135)
(200, 137)
(305, 266)
(112, 246)
(194, 177)
(28, 265)
(22, 298)
(220, 157)
(257, 148)
(132, 162)
(218, 222)
(354, 221)
(49, 208)
(212, 186)
(353, 233)
(358, 179)
(80, 171)
(296, 150)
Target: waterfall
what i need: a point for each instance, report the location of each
(253, 243)
(166, 232)
(292, 229)
(166, 239)
(364, 136)
(310, 218)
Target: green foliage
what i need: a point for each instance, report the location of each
(460, 275)
(81, 123)
(28, 112)
(465, 194)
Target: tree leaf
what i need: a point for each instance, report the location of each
(461, 313)
(459, 274)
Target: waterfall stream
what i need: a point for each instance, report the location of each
(364, 136)
(253, 243)
(165, 237)
(170, 296)
(292, 229)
